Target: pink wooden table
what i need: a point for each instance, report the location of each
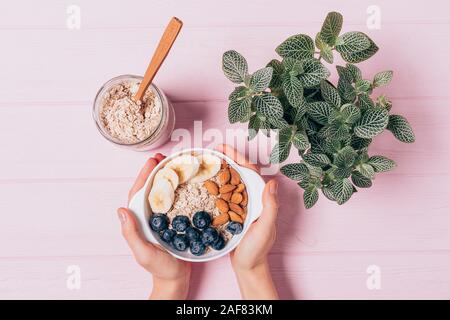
(60, 182)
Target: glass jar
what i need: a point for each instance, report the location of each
(158, 136)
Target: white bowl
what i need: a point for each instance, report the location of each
(254, 185)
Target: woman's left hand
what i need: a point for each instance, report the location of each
(170, 275)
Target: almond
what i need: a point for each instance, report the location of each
(235, 178)
(236, 208)
(212, 187)
(235, 217)
(221, 219)
(244, 201)
(227, 188)
(240, 188)
(224, 164)
(224, 176)
(226, 196)
(244, 216)
(222, 205)
(236, 197)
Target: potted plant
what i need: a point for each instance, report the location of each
(331, 126)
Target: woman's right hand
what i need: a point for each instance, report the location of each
(249, 259)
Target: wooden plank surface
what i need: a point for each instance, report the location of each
(307, 276)
(83, 60)
(60, 182)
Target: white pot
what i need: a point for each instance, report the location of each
(254, 186)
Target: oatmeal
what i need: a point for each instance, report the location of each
(198, 202)
(125, 119)
(191, 198)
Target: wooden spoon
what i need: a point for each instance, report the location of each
(168, 38)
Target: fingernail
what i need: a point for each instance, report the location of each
(273, 188)
(122, 216)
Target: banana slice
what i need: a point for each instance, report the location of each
(161, 196)
(209, 166)
(168, 174)
(186, 166)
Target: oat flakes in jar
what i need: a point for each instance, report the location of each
(137, 125)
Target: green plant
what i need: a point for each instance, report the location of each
(330, 126)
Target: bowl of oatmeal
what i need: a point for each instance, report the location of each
(137, 125)
(198, 204)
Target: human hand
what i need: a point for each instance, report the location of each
(249, 259)
(170, 275)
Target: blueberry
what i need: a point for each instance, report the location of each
(180, 223)
(167, 235)
(234, 227)
(209, 236)
(180, 242)
(159, 222)
(219, 244)
(192, 234)
(201, 219)
(197, 248)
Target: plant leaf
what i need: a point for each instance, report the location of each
(365, 102)
(328, 193)
(372, 123)
(342, 173)
(295, 171)
(363, 86)
(401, 128)
(326, 52)
(345, 157)
(330, 94)
(331, 28)
(344, 74)
(319, 111)
(292, 66)
(278, 123)
(293, 89)
(310, 197)
(278, 70)
(238, 110)
(335, 131)
(234, 66)
(360, 56)
(300, 141)
(383, 102)
(354, 72)
(381, 164)
(352, 42)
(316, 159)
(350, 112)
(238, 93)
(346, 90)
(253, 126)
(313, 73)
(268, 105)
(260, 79)
(298, 47)
(342, 190)
(281, 150)
(299, 113)
(366, 170)
(382, 78)
(360, 143)
(361, 181)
